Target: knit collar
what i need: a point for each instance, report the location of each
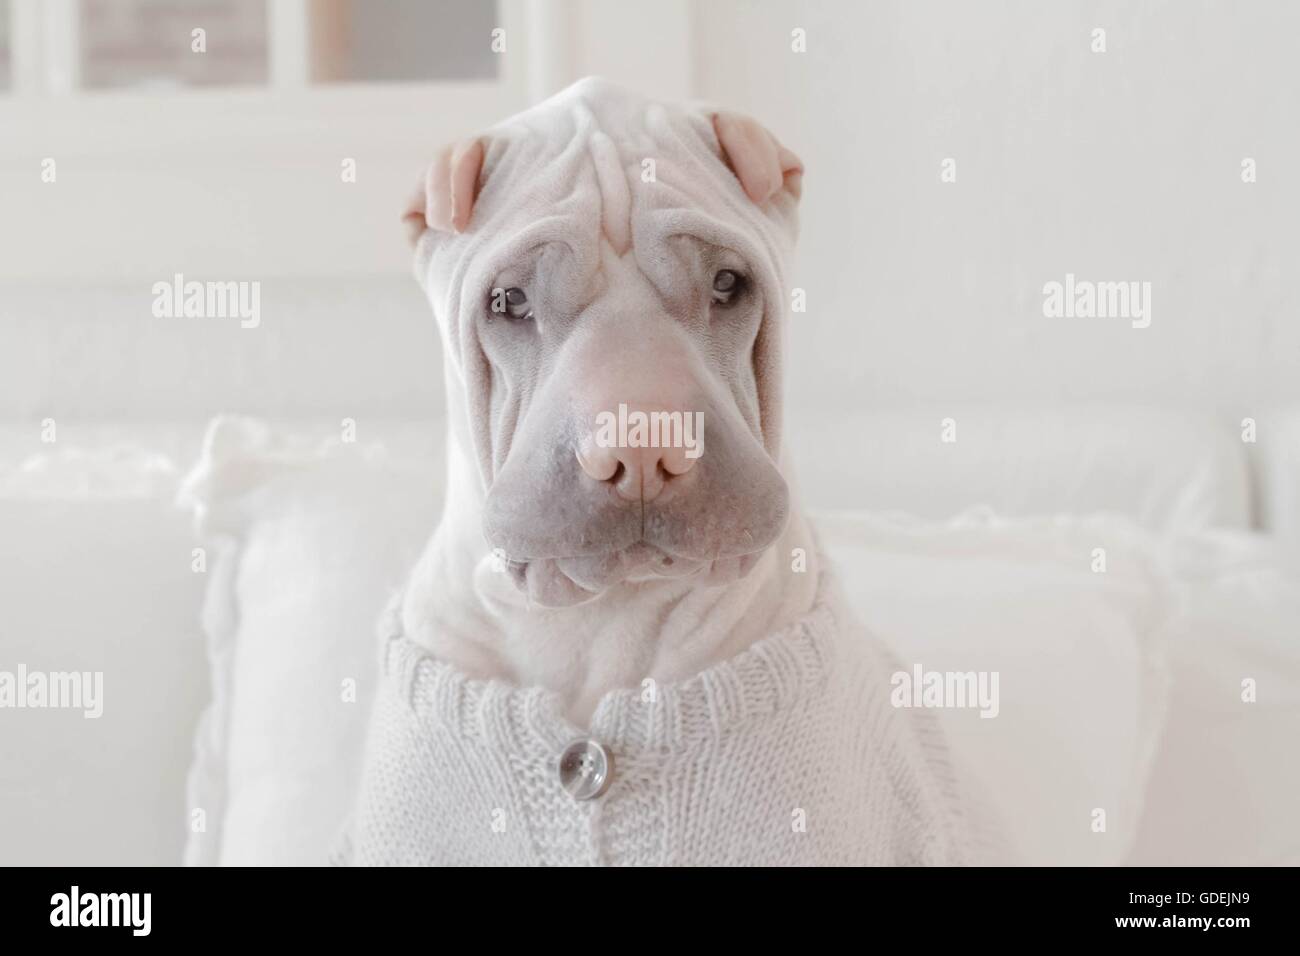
(775, 673)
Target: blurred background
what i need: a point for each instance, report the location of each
(128, 155)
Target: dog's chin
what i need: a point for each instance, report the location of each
(568, 582)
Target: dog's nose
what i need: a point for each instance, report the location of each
(638, 474)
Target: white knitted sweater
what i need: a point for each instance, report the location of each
(789, 753)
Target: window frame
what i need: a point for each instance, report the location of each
(248, 165)
(44, 102)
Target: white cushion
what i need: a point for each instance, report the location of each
(1226, 777)
(1165, 470)
(99, 584)
(313, 538)
(1078, 654)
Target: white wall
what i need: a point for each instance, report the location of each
(326, 347)
(1122, 165)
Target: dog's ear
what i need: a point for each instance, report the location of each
(763, 166)
(444, 199)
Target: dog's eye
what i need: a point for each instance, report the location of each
(512, 302)
(727, 284)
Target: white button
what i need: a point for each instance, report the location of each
(586, 769)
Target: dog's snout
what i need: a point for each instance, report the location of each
(637, 474)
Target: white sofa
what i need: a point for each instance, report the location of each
(98, 574)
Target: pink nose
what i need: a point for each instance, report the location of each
(638, 474)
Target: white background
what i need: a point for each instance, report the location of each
(1116, 166)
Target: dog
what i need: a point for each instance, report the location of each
(614, 649)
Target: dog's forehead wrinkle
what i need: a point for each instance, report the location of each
(629, 281)
(615, 193)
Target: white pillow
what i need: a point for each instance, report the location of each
(103, 585)
(1166, 470)
(1078, 653)
(312, 538)
(318, 538)
(1226, 778)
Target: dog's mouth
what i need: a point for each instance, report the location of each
(567, 581)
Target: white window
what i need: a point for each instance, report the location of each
(204, 133)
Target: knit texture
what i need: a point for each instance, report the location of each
(788, 754)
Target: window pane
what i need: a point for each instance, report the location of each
(151, 43)
(6, 64)
(397, 40)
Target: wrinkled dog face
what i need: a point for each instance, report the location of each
(617, 335)
(577, 510)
